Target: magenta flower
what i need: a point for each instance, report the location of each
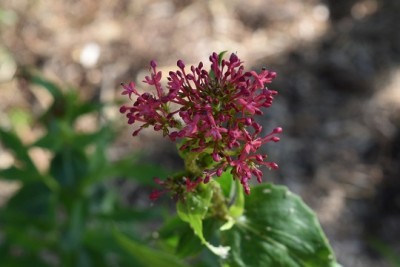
(212, 112)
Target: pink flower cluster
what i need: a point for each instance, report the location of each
(212, 112)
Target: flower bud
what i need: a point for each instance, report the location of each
(273, 165)
(216, 157)
(277, 130)
(275, 139)
(233, 58)
(123, 109)
(180, 64)
(157, 127)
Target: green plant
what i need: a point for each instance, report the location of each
(211, 115)
(70, 214)
(66, 214)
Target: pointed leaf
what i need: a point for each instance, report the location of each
(51, 87)
(221, 56)
(20, 151)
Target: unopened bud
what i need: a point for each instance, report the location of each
(277, 130)
(180, 64)
(216, 157)
(273, 165)
(157, 127)
(275, 139)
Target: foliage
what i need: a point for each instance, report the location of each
(66, 215)
(70, 214)
(211, 115)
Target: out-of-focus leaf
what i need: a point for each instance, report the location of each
(74, 233)
(147, 256)
(30, 238)
(128, 215)
(31, 199)
(69, 167)
(58, 133)
(26, 176)
(23, 260)
(66, 106)
(189, 244)
(386, 251)
(16, 174)
(127, 168)
(171, 226)
(84, 139)
(142, 173)
(83, 108)
(104, 243)
(14, 144)
(51, 87)
(277, 229)
(20, 119)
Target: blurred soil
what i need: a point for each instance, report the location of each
(338, 78)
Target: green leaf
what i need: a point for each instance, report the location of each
(188, 243)
(128, 215)
(69, 167)
(387, 252)
(85, 108)
(20, 151)
(142, 173)
(51, 141)
(221, 56)
(85, 139)
(226, 183)
(23, 260)
(14, 173)
(237, 207)
(233, 192)
(51, 87)
(193, 210)
(277, 229)
(32, 199)
(190, 246)
(145, 255)
(100, 240)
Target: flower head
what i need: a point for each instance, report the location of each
(213, 115)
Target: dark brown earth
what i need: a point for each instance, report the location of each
(338, 78)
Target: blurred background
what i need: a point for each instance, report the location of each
(338, 81)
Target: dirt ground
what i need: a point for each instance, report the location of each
(338, 78)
